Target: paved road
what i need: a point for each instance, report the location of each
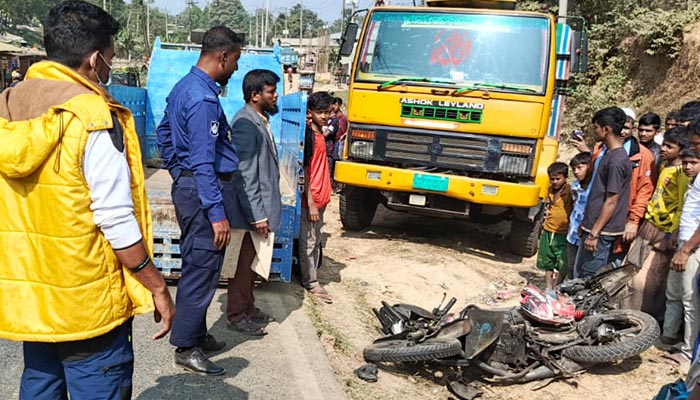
(289, 363)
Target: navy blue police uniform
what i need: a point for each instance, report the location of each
(195, 144)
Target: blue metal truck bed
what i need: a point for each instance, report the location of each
(169, 63)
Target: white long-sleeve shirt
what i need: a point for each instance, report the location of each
(108, 176)
(690, 216)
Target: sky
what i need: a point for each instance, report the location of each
(327, 10)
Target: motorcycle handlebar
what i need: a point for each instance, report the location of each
(448, 306)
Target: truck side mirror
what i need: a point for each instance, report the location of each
(348, 42)
(579, 51)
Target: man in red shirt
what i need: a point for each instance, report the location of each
(317, 193)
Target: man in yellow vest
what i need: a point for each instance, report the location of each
(75, 230)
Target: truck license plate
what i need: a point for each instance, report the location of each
(431, 182)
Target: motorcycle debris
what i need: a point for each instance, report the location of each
(464, 391)
(367, 372)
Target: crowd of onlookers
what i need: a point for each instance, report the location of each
(635, 203)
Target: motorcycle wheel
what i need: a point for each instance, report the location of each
(405, 351)
(624, 346)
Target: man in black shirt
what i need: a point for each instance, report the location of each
(606, 210)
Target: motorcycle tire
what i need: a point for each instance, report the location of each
(628, 347)
(404, 351)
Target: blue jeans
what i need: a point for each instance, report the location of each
(587, 262)
(100, 368)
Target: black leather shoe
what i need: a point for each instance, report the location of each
(209, 344)
(194, 360)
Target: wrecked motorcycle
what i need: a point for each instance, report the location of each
(551, 334)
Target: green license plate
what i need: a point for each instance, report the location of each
(430, 182)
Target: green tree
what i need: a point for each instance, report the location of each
(311, 22)
(230, 13)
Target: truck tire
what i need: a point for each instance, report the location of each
(625, 346)
(403, 351)
(357, 207)
(525, 236)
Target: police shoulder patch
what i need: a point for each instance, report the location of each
(214, 128)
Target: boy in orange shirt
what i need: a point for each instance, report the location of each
(552, 255)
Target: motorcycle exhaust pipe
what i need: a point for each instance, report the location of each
(532, 373)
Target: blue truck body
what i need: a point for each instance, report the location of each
(169, 63)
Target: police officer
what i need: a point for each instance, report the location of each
(194, 140)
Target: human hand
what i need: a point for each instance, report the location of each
(579, 143)
(313, 213)
(630, 232)
(674, 240)
(222, 233)
(262, 228)
(165, 311)
(679, 259)
(591, 243)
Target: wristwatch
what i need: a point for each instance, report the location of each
(592, 236)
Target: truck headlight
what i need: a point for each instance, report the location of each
(517, 165)
(362, 149)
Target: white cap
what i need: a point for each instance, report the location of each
(629, 113)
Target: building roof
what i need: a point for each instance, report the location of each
(8, 48)
(314, 42)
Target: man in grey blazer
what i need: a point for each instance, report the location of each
(258, 205)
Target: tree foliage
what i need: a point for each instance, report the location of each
(616, 30)
(228, 12)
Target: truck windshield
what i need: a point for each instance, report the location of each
(458, 50)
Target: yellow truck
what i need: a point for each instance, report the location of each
(454, 111)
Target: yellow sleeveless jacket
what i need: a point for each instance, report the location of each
(59, 278)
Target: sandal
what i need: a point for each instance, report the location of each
(261, 317)
(246, 326)
(321, 294)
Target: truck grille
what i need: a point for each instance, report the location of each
(442, 113)
(467, 152)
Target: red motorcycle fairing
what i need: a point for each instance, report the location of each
(547, 307)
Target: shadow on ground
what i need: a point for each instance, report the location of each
(487, 241)
(621, 367)
(187, 386)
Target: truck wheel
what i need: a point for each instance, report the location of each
(357, 207)
(525, 236)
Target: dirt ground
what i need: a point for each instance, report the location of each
(416, 259)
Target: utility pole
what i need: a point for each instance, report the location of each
(563, 5)
(148, 24)
(301, 23)
(342, 18)
(267, 21)
(257, 21)
(166, 25)
(190, 4)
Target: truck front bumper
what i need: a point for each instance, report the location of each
(473, 190)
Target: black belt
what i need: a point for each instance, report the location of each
(223, 176)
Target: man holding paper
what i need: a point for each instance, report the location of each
(258, 196)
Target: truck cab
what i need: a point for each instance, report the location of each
(289, 58)
(454, 112)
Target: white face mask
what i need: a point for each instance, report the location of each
(109, 79)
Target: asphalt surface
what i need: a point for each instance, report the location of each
(288, 363)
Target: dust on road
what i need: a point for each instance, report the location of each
(416, 259)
